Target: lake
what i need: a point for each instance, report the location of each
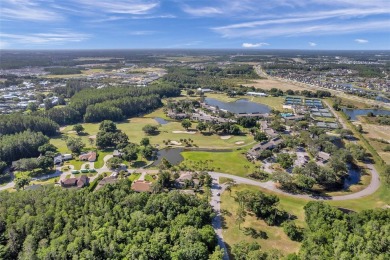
(241, 106)
(353, 113)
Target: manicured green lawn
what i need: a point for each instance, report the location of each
(277, 239)
(379, 199)
(133, 128)
(149, 177)
(233, 162)
(134, 176)
(100, 162)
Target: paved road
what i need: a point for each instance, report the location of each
(269, 185)
(215, 202)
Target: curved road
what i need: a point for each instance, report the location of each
(269, 185)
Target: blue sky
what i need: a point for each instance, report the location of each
(237, 24)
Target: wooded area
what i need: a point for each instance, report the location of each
(112, 223)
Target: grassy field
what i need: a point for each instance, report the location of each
(268, 84)
(371, 132)
(277, 239)
(229, 162)
(379, 199)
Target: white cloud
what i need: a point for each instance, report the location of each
(142, 32)
(304, 29)
(254, 45)
(135, 7)
(361, 40)
(59, 37)
(26, 10)
(202, 11)
(312, 44)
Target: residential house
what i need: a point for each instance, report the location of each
(266, 145)
(141, 186)
(90, 156)
(323, 157)
(105, 181)
(80, 182)
(116, 153)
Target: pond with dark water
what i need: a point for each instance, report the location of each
(353, 177)
(161, 121)
(241, 106)
(354, 113)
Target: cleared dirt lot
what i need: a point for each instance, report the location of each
(377, 131)
(267, 84)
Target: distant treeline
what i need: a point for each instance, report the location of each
(72, 87)
(363, 70)
(63, 70)
(15, 123)
(210, 76)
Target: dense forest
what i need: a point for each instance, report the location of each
(112, 223)
(21, 145)
(333, 234)
(210, 76)
(82, 99)
(15, 123)
(61, 115)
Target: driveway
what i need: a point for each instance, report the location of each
(215, 202)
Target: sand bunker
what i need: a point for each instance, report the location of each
(184, 132)
(240, 142)
(175, 143)
(225, 137)
(92, 136)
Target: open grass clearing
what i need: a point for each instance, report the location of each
(277, 239)
(377, 131)
(233, 162)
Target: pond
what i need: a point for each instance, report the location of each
(353, 177)
(353, 113)
(161, 121)
(241, 106)
(172, 155)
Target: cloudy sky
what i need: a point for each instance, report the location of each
(239, 24)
